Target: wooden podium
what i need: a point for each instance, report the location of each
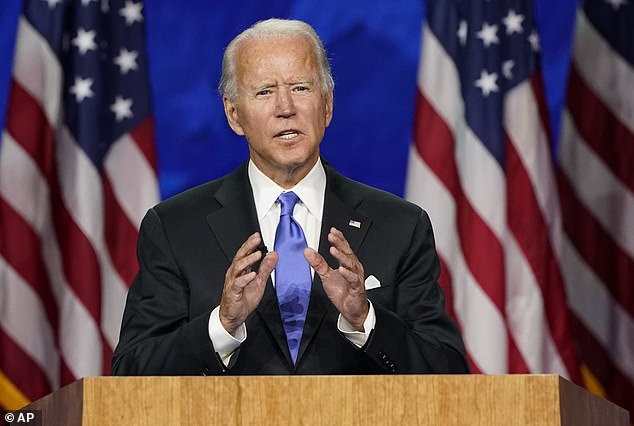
(327, 400)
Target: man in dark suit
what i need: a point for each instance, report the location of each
(211, 295)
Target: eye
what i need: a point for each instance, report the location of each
(263, 92)
(301, 88)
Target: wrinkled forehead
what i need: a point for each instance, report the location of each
(291, 53)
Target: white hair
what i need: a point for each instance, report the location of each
(272, 29)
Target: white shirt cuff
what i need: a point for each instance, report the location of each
(358, 338)
(224, 343)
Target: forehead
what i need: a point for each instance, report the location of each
(284, 56)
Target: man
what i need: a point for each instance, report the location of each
(284, 266)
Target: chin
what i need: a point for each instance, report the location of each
(297, 159)
(303, 161)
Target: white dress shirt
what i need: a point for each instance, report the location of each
(308, 212)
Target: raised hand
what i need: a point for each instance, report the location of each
(345, 286)
(243, 288)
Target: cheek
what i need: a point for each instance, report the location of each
(254, 124)
(321, 111)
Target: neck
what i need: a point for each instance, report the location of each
(289, 176)
(289, 179)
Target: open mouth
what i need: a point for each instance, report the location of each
(287, 134)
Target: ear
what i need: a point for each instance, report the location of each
(329, 107)
(233, 119)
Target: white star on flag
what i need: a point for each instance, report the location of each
(81, 89)
(507, 68)
(126, 60)
(122, 108)
(462, 32)
(488, 34)
(85, 41)
(533, 39)
(513, 22)
(132, 12)
(87, 2)
(52, 3)
(616, 4)
(487, 82)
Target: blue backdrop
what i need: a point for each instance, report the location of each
(374, 49)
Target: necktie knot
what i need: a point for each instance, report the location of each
(287, 201)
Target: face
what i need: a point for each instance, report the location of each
(281, 108)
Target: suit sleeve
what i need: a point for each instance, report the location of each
(158, 337)
(415, 334)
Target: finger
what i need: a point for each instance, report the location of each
(252, 278)
(317, 262)
(352, 278)
(242, 266)
(238, 284)
(266, 266)
(258, 278)
(349, 261)
(248, 246)
(337, 239)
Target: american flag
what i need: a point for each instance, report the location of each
(536, 240)
(482, 165)
(596, 186)
(77, 173)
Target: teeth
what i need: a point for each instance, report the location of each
(288, 135)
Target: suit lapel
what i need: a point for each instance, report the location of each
(232, 224)
(236, 219)
(340, 203)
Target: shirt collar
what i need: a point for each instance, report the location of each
(310, 190)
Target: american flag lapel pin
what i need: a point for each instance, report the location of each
(354, 223)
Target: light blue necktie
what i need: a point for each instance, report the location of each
(292, 273)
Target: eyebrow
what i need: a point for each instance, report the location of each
(294, 83)
(307, 81)
(263, 86)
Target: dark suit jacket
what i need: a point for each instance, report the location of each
(186, 244)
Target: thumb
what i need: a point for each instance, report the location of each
(316, 261)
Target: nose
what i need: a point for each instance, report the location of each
(285, 104)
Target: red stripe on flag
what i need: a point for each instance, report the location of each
(106, 356)
(27, 122)
(601, 129)
(538, 89)
(80, 262)
(143, 135)
(23, 372)
(472, 365)
(608, 261)
(81, 266)
(22, 249)
(527, 224)
(446, 283)
(516, 361)
(67, 376)
(481, 249)
(120, 235)
(517, 365)
(618, 387)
